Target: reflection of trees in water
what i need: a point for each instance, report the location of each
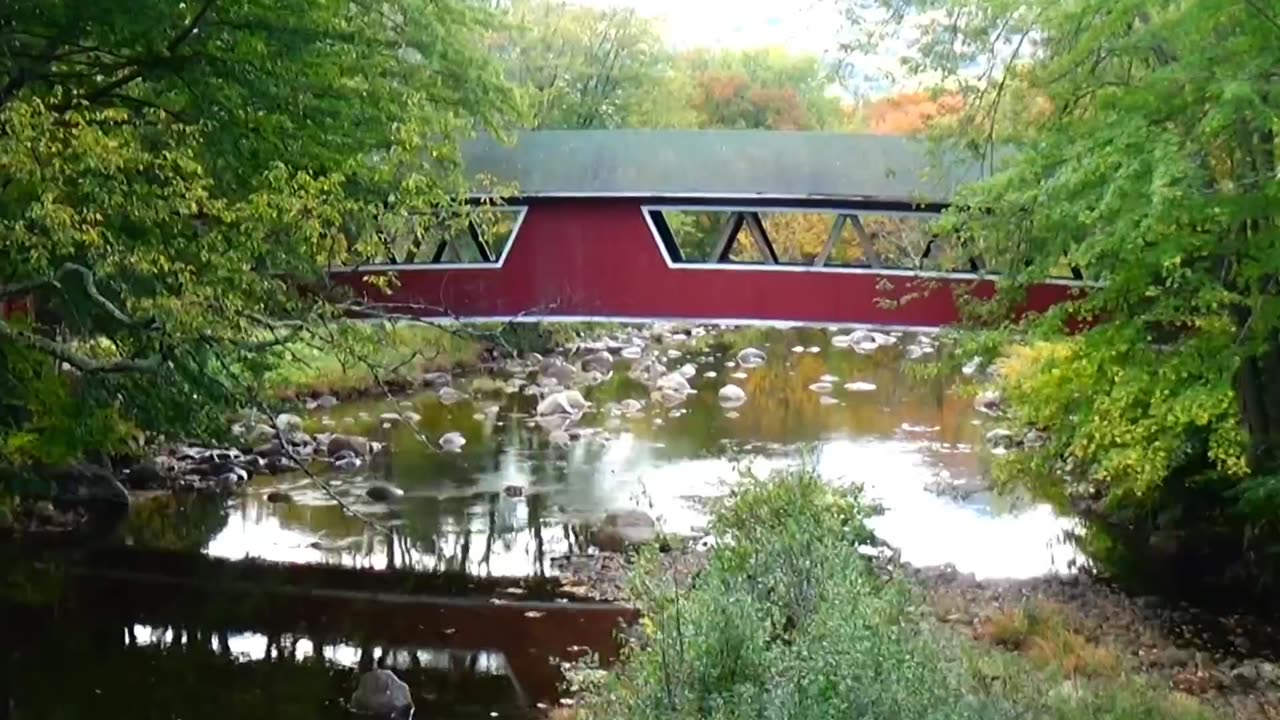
(456, 517)
(173, 522)
(106, 668)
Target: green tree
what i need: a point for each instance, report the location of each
(588, 68)
(175, 178)
(1149, 160)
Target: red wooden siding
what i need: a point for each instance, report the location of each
(599, 258)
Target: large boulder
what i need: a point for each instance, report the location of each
(565, 402)
(85, 484)
(382, 695)
(154, 474)
(623, 529)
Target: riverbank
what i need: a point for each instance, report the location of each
(789, 614)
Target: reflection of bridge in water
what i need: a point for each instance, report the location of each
(460, 637)
(712, 226)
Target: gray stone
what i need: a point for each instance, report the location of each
(384, 493)
(353, 444)
(601, 362)
(85, 483)
(625, 528)
(382, 694)
(279, 497)
(148, 475)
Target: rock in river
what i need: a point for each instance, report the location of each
(353, 444)
(452, 442)
(384, 493)
(84, 483)
(625, 528)
(732, 396)
(449, 396)
(565, 402)
(279, 497)
(601, 362)
(383, 695)
(751, 357)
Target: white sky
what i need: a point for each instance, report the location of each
(800, 26)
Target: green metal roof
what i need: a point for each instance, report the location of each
(715, 163)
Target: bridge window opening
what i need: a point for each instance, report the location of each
(477, 236)
(816, 239)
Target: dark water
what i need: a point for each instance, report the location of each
(507, 504)
(895, 440)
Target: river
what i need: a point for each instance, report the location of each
(510, 502)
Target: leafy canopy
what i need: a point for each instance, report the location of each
(177, 176)
(1143, 151)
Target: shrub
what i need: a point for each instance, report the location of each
(791, 621)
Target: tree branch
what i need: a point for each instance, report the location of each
(84, 364)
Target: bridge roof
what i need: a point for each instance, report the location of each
(729, 164)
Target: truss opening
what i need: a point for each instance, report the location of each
(474, 236)
(817, 239)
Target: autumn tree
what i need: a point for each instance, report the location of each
(760, 89)
(1150, 163)
(176, 177)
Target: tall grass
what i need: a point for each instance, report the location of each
(790, 621)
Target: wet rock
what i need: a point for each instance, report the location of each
(437, 380)
(988, 402)
(45, 512)
(1000, 439)
(1035, 439)
(347, 462)
(384, 493)
(513, 491)
(564, 402)
(731, 396)
(601, 362)
(353, 444)
(859, 387)
(751, 357)
(554, 368)
(382, 695)
(841, 341)
(973, 367)
(449, 396)
(326, 402)
(288, 423)
(452, 442)
(154, 474)
(279, 497)
(632, 353)
(622, 529)
(630, 406)
(84, 484)
(828, 400)
(559, 438)
(821, 387)
(259, 434)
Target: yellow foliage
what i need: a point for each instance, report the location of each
(1041, 632)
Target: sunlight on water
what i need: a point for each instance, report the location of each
(518, 494)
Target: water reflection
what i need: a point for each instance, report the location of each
(513, 497)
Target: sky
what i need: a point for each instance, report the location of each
(800, 26)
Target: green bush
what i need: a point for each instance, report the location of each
(790, 621)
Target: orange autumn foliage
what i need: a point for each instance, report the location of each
(910, 113)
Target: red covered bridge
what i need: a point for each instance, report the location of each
(710, 226)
